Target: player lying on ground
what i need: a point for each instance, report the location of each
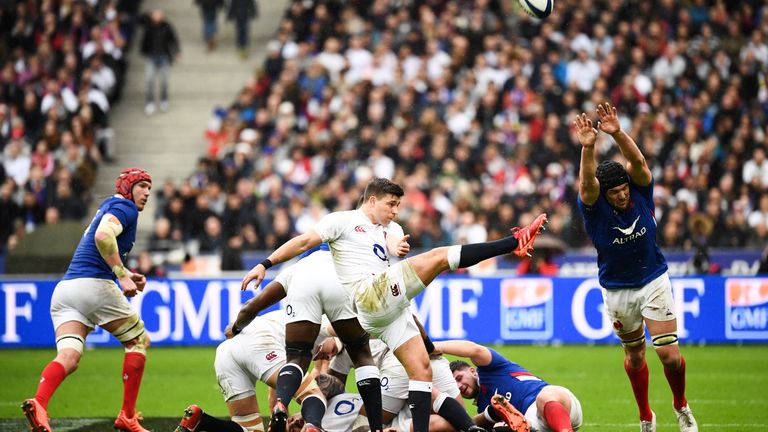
(93, 292)
(256, 354)
(502, 390)
(362, 242)
(345, 411)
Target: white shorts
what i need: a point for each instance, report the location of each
(89, 301)
(240, 363)
(394, 382)
(383, 304)
(539, 424)
(313, 289)
(627, 307)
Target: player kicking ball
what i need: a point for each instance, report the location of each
(362, 242)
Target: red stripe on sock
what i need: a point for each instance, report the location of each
(53, 374)
(133, 370)
(676, 379)
(557, 417)
(639, 380)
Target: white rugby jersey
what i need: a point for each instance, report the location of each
(342, 412)
(358, 245)
(342, 363)
(270, 327)
(314, 264)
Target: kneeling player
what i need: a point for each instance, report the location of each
(256, 354)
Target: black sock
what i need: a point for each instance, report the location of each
(288, 382)
(313, 410)
(455, 414)
(420, 402)
(472, 254)
(212, 424)
(370, 391)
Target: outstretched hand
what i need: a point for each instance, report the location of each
(256, 274)
(586, 132)
(609, 120)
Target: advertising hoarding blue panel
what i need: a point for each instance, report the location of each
(487, 310)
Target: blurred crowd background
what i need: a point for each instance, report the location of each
(62, 66)
(467, 104)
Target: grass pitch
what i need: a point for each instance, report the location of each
(726, 386)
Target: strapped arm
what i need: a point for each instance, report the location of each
(106, 242)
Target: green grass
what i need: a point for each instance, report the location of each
(726, 385)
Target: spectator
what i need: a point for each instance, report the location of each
(209, 10)
(160, 48)
(242, 12)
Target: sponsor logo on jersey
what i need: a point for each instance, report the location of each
(526, 308)
(524, 376)
(746, 308)
(360, 229)
(629, 233)
(271, 356)
(395, 290)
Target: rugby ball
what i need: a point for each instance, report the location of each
(537, 8)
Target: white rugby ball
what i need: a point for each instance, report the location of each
(537, 8)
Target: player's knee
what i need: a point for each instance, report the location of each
(299, 353)
(69, 359)
(139, 344)
(666, 346)
(359, 350)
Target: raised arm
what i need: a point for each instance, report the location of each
(637, 167)
(288, 250)
(478, 354)
(589, 187)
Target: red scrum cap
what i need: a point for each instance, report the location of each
(128, 178)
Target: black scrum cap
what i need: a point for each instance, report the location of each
(611, 174)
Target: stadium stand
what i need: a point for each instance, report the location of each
(61, 71)
(469, 104)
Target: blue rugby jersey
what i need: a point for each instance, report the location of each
(508, 379)
(87, 261)
(627, 253)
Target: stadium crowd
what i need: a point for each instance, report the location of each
(469, 105)
(62, 65)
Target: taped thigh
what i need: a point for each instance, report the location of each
(71, 341)
(131, 329)
(663, 340)
(632, 343)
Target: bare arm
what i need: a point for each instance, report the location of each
(478, 354)
(271, 294)
(288, 250)
(589, 187)
(637, 167)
